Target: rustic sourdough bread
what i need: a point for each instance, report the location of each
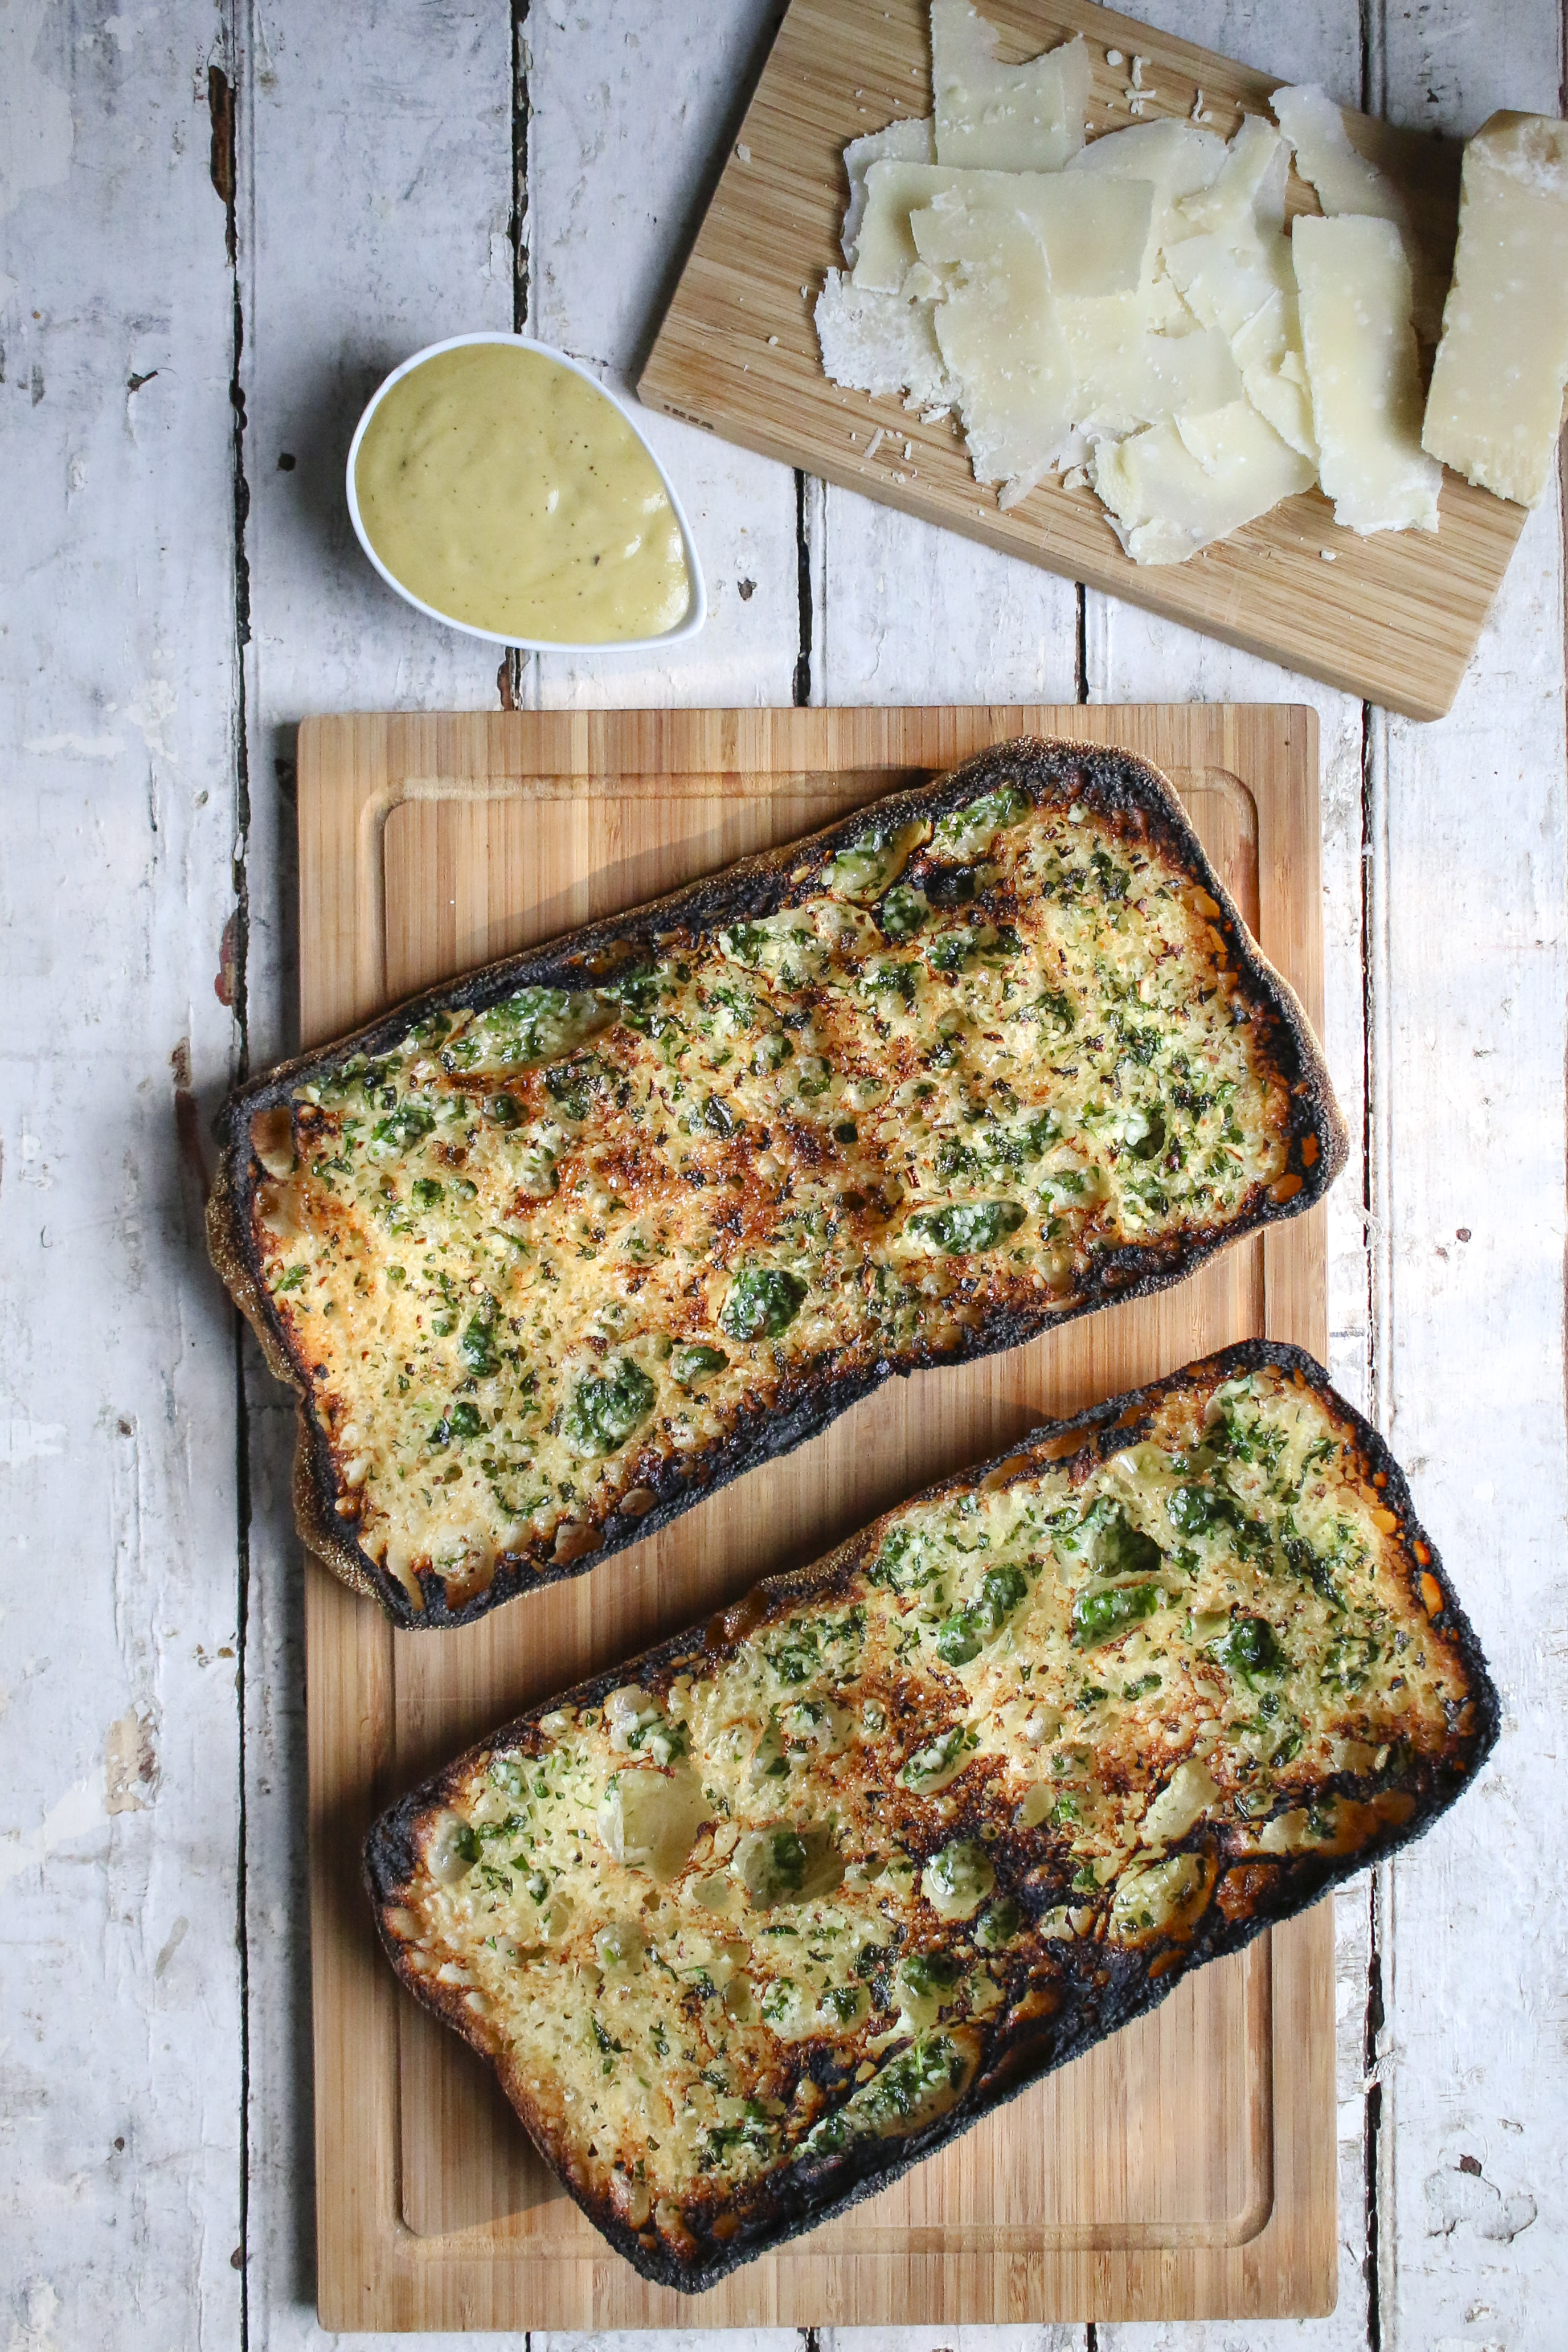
(751, 1923)
(553, 1250)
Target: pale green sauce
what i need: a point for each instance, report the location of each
(507, 492)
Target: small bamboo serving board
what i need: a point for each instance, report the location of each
(1394, 618)
(1183, 2168)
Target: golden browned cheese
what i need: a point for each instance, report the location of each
(765, 1913)
(557, 1256)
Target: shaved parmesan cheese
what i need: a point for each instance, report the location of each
(1178, 157)
(999, 338)
(1247, 195)
(1183, 484)
(909, 142)
(879, 343)
(1239, 280)
(885, 247)
(1129, 376)
(1140, 290)
(1282, 395)
(1344, 180)
(1239, 291)
(1496, 401)
(1349, 182)
(998, 118)
(1095, 239)
(1354, 287)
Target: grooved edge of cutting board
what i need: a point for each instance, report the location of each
(1394, 617)
(429, 2215)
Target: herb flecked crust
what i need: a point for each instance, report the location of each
(552, 1252)
(753, 1923)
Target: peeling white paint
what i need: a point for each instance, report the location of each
(1468, 2202)
(79, 1809)
(130, 1762)
(32, 2328)
(75, 747)
(35, 129)
(29, 1441)
(151, 711)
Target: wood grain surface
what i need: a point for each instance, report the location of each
(1201, 2141)
(1395, 617)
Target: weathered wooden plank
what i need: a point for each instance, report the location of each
(1131, 653)
(1062, 2337)
(374, 201)
(631, 114)
(375, 197)
(912, 614)
(1468, 980)
(120, 2072)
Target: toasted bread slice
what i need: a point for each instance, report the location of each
(554, 1251)
(748, 1925)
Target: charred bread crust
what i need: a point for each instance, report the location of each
(1131, 797)
(1042, 2027)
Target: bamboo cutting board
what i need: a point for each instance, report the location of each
(1186, 2167)
(1394, 618)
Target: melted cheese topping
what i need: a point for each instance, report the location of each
(768, 1903)
(535, 1255)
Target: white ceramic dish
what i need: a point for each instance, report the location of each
(696, 611)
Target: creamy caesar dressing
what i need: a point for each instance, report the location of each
(509, 493)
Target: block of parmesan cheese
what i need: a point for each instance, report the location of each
(1353, 283)
(996, 118)
(1193, 479)
(1496, 401)
(999, 336)
(1095, 238)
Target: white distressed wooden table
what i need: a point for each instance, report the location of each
(218, 226)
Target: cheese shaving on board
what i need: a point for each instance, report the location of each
(1354, 287)
(1027, 118)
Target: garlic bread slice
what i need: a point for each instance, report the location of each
(750, 1923)
(552, 1252)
